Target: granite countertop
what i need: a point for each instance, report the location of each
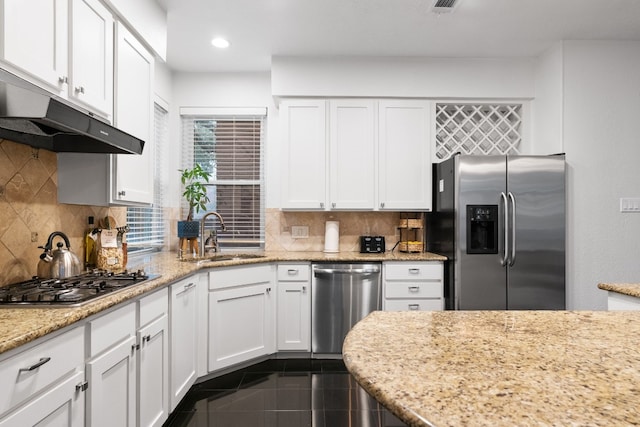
(631, 289)
(500, 368)
(21, 325)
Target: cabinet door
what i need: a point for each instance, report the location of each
(35, 39)
(404, 176)
(112, 386)
(352, 154)
(61, 406)
(241, 324)
(294, 316)
(183, 336)
(153, 373)
(304, 156)
(134, 114)
(91, 79)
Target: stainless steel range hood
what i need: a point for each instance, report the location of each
(33, 116)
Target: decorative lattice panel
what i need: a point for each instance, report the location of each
(479, 129)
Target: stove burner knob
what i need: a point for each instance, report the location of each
(141, 273)
(102, 284)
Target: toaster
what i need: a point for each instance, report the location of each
(371, 244)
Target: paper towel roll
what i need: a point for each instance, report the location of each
(332, 236)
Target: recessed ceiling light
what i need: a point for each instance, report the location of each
(220, 43)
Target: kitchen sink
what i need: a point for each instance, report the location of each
(223, 257)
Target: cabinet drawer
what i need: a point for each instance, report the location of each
(107, 330)
(23, 378)
(294, 272)
(413, 271)
(414, 305)
(154, 306)
(413, 289)
(221, 278)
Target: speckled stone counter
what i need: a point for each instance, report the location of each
(19, 326)
(631, 289)
(508, 368)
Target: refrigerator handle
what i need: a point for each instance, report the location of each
(512, 225)
(504, 259)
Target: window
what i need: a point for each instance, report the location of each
(146, 224)
(480, 129)
(229, 145)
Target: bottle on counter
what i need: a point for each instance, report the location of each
(90, 245)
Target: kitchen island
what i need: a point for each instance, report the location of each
(491, 368)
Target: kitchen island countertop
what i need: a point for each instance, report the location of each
(500, 368)
(20, 326)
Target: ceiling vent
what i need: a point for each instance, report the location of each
(443, 6)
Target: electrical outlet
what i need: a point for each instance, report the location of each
(300, 231)
(34, 236)
(630, 204)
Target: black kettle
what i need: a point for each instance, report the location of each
(58, 263)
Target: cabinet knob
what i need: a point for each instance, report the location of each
(322, 205)
(333, 205)
(414, 271)
(292, 272)
(304, 289)
(268, 290)
(83, 386)
(63, 80)
(79, 89)
(414, 307)
(414, 288)
(382, 204)
(122, 193)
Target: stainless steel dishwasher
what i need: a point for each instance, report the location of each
(341, 294)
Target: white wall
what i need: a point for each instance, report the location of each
(224, 90)
(602, 141)
(402, 77)
(547, 116)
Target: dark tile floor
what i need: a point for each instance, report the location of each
(282, 393)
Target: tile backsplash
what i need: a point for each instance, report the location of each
(352, 226)
(30, 212)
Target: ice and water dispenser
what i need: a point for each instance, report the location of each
(482, 229)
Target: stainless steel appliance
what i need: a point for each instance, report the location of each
(501, 222)
(341, 295)
(33, 116)
(70, 291)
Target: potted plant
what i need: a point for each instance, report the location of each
(195, 193)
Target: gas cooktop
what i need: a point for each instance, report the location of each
(68, 292)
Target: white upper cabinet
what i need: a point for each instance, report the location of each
(65, 45)
(134, 114)
(91, 79)
(304, 166)
(376, 155)
(35, 39)
(404, 170)
(352, 154)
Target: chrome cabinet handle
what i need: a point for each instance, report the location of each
(333, 205)
(414, 271)
(146, 338)
(36, 365)
(63, 80)
(292, 272)
(322, 205)
(414, 307)
(79, 89)
(268, 290)
(189, 286)
(382, 205)
(414, 288)
(304, 289)
(83, 386)
(122, 193)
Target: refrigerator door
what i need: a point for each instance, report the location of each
(479, 278)
(536, 274)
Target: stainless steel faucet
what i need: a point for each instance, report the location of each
(215, 235)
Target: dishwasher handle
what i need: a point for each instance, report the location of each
(369, 270)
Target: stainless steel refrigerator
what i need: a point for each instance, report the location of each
(501, 222)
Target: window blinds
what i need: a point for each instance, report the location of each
(147, 225)
(230, 147)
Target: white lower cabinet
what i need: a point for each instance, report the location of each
(241, 314)
(617, 301)
(416, 286)
(294, 307)
(153, 360)
(111, 369)
(183, 333)
(44, 385)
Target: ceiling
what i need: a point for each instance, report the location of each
(258, 29)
